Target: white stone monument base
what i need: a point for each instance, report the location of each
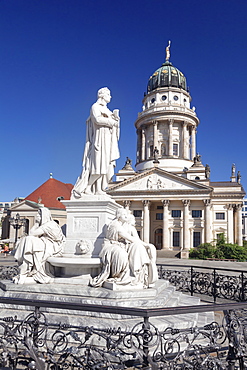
(120, 287)
(87, 219)
(75, 269)
(161, 295)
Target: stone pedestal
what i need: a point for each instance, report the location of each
(184, 254)
(87, 219)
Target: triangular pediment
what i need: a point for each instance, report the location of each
(26, 205)
(157, 180)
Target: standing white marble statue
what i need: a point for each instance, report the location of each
(44, 240)
(126, 259)
(101, 149)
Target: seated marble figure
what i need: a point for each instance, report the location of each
(126, 259)
(32, 251)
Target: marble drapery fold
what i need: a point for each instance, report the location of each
(101, 148)
(32, 251)
(126, 259)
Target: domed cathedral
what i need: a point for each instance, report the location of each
(175, 204)
(167, 125)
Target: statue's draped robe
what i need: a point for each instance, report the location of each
(33, 251)
(101, 149)
(114, 258)
(126, 262)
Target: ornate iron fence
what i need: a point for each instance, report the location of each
(35, 343)
(8, 272)
(211, 282)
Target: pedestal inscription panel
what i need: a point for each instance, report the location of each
(85, 225)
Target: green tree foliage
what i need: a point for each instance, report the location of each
(220, 250)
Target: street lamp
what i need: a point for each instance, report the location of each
(17, 223)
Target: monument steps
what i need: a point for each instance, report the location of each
(162, 295)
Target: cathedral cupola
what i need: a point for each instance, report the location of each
(167, 123)
(167, 75)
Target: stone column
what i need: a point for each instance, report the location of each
(230, 223)
(239, 238)
(193, 142)
(127, 204)
(186, 231)
(138, 152)
(185, 151)
(155, 134)
(207, 220)
(143, 154)
(146, 222)
(170, 140)
(165, 224)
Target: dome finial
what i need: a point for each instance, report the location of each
(168, 51)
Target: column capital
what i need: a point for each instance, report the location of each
(146, 203)
(165, 202)
(186, 202)
(229, 206)
(207, 202)
(171, 121)
(127, 203)
(238, 206)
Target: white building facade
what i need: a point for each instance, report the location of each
(176, 205)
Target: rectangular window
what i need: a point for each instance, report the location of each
(175, 149)
(159, 216)
(196, 213)
(159, 207)
(137, 213)
(176, 239)
(196, 238)
(220, 215)
(176, 213)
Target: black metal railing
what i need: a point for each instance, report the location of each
(34, 342)
(213, 282)
(8, 272)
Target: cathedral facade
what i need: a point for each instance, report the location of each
(176, 205)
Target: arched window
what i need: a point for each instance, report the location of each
(158, 238)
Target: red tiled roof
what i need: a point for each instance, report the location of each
(48, 193)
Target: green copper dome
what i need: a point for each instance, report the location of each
(167, 75)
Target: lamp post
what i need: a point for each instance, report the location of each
(17, 223)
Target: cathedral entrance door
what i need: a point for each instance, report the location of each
(158, 238)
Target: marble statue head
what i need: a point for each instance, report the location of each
(45, 215)
(121, 214)
(105, 94)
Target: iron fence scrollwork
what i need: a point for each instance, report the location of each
(34, 343)
(210, 283)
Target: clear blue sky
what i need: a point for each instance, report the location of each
(56, 54)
